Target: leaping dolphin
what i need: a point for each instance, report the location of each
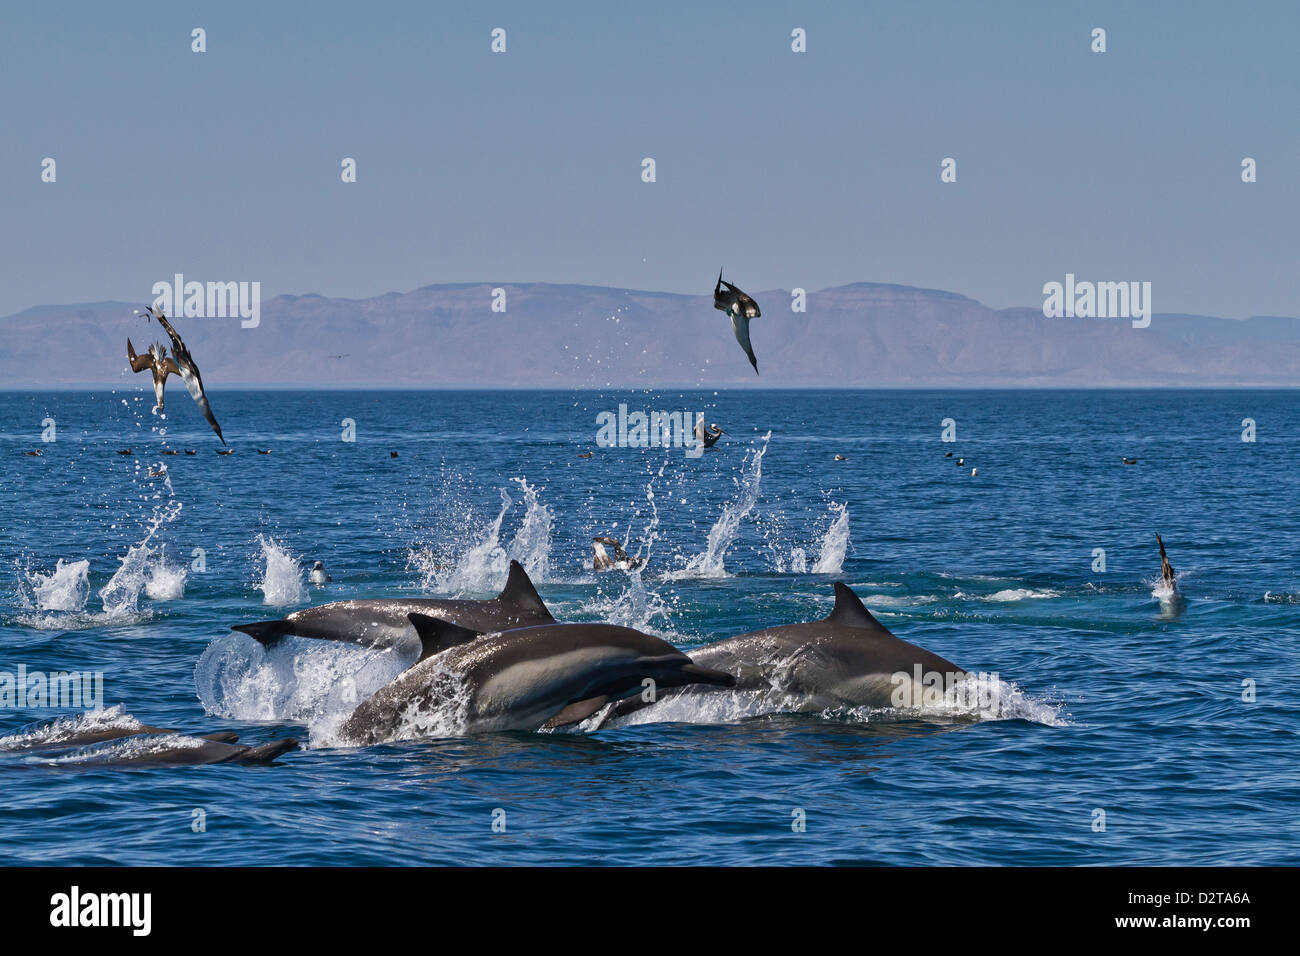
(186, 369)
(519, 680)
(847, 659)
(741, 308)
(386, 622)
(157, 360)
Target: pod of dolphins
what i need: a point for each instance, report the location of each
(512, 666)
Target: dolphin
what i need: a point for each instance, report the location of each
(155, 359)
(186, 369)
(175, 750)
(386, 622)
(554, 674)
(50, 736)
(741, 308)
(847, 659)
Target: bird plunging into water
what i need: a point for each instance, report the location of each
(157, 360)
(741, 308)
(185, 368)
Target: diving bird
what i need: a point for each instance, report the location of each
(156, 360)
(1130, 461)
(386, 622)
(186, 369)
(708, 436)
(848, 659)
(1166, 569)
(601, 561)
(741, 308)
(318, 574)
(34, 454)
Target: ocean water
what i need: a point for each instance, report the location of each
(1178, 723)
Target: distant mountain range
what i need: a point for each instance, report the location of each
(861, 335)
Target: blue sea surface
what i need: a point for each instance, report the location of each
(1135, 732)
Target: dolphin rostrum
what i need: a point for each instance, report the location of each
(847, 659)
(741, 308)
(555, 674)
(386, 623)
(186, 369)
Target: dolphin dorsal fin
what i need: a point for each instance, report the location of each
(437, 635)
(519, 591)
(849, 610)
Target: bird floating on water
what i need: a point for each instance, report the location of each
(708, 436)
(601, 561)
(318, 574)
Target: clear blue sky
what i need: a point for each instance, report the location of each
(791, 170)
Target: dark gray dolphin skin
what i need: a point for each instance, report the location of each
(186, 369)
(386, 622)
(556, 674)
(1166, 569)
(80, 738)
(846, 659)
(180, 750)
(741, 308)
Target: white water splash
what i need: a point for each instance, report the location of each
(121, 595)
(443, 711)
(66, 588)
(298, 680)
(484, 565)
(835, 543)
(165, 582)
(992, 699)
(1008, 595)
(52, 732)
(282, 582)
(710, 563)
